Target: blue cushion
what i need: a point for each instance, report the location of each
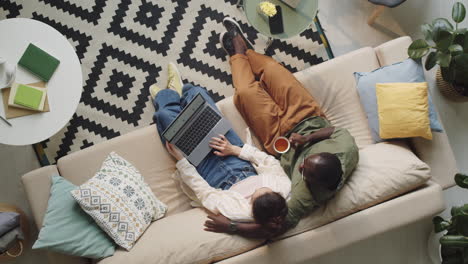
(405, 71)
(68, 229)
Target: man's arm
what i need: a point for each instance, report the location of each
(221, 224)
(322, 134)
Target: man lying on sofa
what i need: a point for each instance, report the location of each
(322, 156)
(225, 181)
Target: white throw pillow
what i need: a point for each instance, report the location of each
(119, 200)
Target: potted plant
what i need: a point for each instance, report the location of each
(447, 46)
(454, 243)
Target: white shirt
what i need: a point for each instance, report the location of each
(248, 186)
(230, 203)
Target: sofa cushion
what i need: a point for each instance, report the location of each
(180, 238)
(63, 219)
(405, 71)
(144, 150)
(385, 170)
(119, 200)
(403, 110)
(332, 85)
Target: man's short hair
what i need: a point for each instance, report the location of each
(269, 206)
(327, 171)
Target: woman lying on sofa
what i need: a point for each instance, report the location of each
(225, 182)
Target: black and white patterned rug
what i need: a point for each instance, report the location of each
(124, 47)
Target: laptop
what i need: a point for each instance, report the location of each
(192, 130)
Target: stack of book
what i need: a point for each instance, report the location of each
(27, 96)
(26, 99)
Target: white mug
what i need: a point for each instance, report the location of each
(7, 73)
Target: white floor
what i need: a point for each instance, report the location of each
(346, 28)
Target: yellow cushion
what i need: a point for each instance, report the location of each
(403, 110)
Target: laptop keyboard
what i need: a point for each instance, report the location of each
(198, 130)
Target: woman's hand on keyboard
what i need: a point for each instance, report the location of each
(223, 147)
(177, 154)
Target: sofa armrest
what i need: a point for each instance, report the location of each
(37, 185)
(404, 210)
(393, 51)
(436, 153)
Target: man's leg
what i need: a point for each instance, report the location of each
(256, 106)
(294, 101)
(167, 105)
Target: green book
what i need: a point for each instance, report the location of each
(39, 62)
(28, 97)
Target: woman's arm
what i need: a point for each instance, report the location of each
(190, 176)
(322, 134)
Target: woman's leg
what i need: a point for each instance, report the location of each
(219, 172)
(168, 106)
(294, 101)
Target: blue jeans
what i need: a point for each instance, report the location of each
(219, 172)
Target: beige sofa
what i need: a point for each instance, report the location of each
(390, 187)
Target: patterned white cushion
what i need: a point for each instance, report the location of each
(120, 201)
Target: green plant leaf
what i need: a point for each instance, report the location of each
(459, 210)
(442, 24)
(454, 241)
(443, 40)
(458, 12)
(443, 59)
(437, 222)
(459, 39)
(427, 31)
(440, 224)
(455, 49)
(460, 178)
(418, 49)
(431, 61)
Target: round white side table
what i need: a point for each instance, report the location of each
(64, 88)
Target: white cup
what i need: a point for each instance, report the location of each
(7, 73)
(286, 141)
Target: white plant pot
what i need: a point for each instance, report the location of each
(434, 247)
